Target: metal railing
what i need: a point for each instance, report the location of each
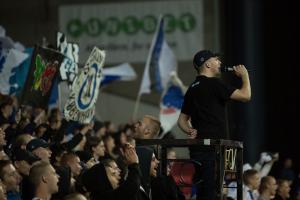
(229, 157)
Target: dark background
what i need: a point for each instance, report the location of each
(270, 29)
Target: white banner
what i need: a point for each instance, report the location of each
(82, 99)
(125, 30)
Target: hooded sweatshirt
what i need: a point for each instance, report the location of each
(96, 182)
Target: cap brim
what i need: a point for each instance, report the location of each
(33, 160)
(218, 54)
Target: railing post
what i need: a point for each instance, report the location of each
(164, 160)
(239, 173)
(233, 160)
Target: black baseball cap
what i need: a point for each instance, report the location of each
(202, 56)
(22, 154)
(36, 143)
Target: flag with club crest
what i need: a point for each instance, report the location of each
(80, 106)
(122, 72)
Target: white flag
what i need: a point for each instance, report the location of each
(160, 62)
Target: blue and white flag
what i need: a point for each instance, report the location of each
(171, 102)
(10, 60)
(12, 55)
(20, 73)
(160, 62)
(80, 106)
(122, 72)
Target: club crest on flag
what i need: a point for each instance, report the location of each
(81, 103)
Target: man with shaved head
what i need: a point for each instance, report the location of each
(147, 128)
(44, 178)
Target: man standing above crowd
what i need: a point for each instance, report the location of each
(203, 112)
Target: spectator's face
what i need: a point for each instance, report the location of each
(101, 132)
(141, 128)
(11, 178)
(43, 153)
(255, 181)
(284, 190)
(75, 166)
(99, 150)
(153, 166)
(110, 144)
(123, 138)
(113, 174)
(2, 137)
(52, 180)
(272, 186)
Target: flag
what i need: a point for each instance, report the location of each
(68, 71)
(54, 96)
(122, 72)
(19, 75)
(10, 60)
(13, 56)
(43, 70)
(171, 102)
(69, 67)
(80, 106)
(160, 62)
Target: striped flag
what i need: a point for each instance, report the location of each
(160, 62)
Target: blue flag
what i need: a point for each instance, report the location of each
(160, 62)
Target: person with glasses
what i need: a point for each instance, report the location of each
(103, 179)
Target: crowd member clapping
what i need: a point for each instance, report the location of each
(102, 180)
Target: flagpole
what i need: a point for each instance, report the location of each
(136, 107)
(141, 90)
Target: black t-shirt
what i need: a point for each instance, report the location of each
(205, 102)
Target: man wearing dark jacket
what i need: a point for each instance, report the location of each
(102, 180)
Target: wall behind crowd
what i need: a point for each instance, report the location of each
(39, 19)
